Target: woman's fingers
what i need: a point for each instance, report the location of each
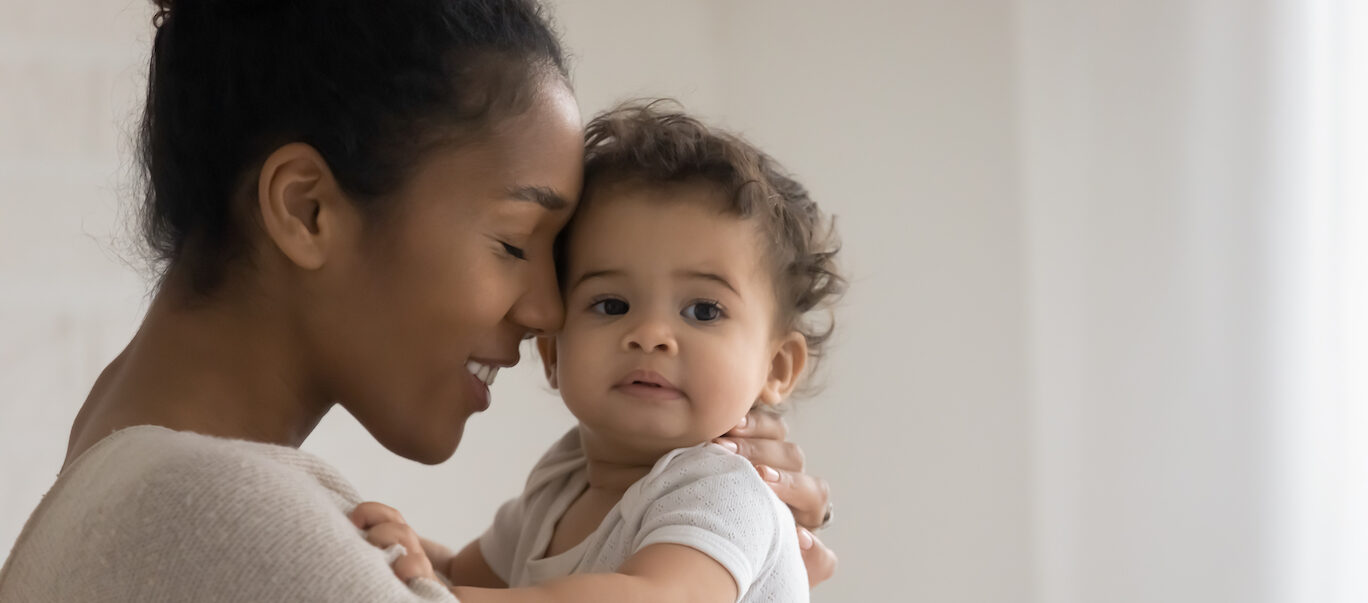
(808, 496)
(775, 453)
(760, 424)
(820, 560)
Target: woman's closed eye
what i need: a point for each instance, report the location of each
(703, 311)
(516, 252)
(610, 306)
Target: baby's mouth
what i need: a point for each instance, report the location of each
(648, 384)
(647, 379)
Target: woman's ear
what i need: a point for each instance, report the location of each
(786, 366)
(546, 346)
(303, 210)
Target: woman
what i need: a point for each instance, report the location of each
(355, 203)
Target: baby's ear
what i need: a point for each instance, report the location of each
(790, 355)
(546, 346)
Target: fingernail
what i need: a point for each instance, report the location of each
(768, 473)
(729, 445)
(742, 425)
(804, 539)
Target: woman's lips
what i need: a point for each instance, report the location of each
(481, 393)
(482, 373)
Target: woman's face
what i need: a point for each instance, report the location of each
(453, 279)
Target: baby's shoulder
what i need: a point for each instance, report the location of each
(708, 476)
(702, 461)
(714, 501)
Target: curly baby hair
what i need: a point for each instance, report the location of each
(655, 142)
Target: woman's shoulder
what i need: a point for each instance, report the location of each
(152, 461)
(154, 514)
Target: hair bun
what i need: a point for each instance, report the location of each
(163, 11)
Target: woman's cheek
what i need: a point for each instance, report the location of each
(494, 299)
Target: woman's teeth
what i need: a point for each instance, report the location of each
(483, 372)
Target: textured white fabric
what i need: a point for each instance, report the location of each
(702, 497)
(151, 514)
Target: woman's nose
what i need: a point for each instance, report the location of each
(540, 310)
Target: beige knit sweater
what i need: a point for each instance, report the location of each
(150, 514)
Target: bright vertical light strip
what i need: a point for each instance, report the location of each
(1317, 399)
(1321, 306)
(1327, 410)
(1349, 194)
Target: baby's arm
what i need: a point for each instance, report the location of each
(384, 527)
(469, 568)
(667, 573)
(659, 572)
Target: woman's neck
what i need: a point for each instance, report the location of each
(225, 367)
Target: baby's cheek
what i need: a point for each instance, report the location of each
(733, 392)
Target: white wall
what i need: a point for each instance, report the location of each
(1149, 185)
(69, 78)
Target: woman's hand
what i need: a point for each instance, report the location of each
(761, 438)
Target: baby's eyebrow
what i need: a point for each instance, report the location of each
(691, 274)
(707, 276)
(596, 274)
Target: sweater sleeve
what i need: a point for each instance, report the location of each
(244, 528)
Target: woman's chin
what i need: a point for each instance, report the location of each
(427, 446)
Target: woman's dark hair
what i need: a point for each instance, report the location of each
(370, 84)
(653, 143)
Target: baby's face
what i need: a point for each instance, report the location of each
(669, 328)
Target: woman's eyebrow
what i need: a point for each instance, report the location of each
(544, 196)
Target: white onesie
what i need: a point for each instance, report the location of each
(703, 497)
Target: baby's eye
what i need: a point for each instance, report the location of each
(610, 307)
(702, 311)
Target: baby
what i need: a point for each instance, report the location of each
(689, 272)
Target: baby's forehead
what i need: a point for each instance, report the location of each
(616, 211)
(670, 227)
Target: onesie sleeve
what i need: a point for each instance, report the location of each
(499, 543)
(713, 501)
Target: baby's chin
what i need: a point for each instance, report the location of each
(646, 442)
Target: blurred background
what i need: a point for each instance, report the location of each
(1107, 334)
